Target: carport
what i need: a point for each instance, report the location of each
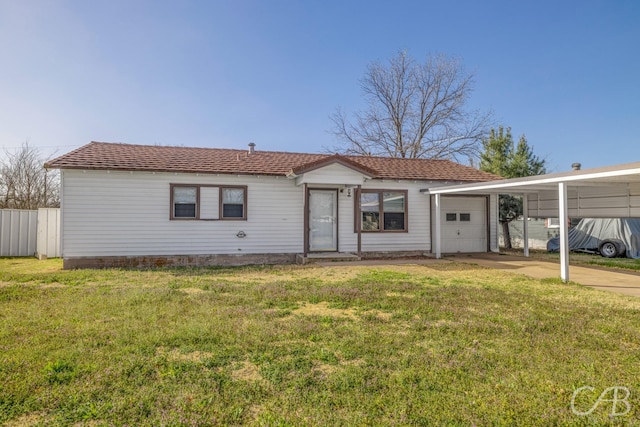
(607, 192)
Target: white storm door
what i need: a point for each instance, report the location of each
(323, 220)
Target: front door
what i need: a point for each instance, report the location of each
(323, 220)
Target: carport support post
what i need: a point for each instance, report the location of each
(437, 233)
(563, 217)
(525, 224)
(358, 202)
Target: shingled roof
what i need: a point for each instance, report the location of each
(129, 157)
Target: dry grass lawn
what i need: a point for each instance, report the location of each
(440, 344)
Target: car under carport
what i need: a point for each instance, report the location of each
(609, 237)
(605, 192)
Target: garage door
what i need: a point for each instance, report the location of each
(464, 224)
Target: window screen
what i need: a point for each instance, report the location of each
(233, 203)
(184, 202)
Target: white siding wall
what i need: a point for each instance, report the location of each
(126, 214)
(616, 201)
(209, 203)
(347, 238)
(418, 237)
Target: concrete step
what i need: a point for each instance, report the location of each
(327, 257)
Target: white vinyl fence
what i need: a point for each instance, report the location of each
(48, 241)
(30, 232)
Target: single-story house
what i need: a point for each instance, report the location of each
(139, 205)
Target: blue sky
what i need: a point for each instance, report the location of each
(226, 73)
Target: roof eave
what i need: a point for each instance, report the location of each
(172, 171)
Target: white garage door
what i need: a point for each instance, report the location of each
(464, 224)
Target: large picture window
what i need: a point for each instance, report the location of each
(383, 210)
(208, 202)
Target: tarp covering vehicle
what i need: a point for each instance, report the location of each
(610, 237)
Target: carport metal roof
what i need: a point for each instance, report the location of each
(606, 192)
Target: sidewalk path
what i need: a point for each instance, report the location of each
(627, 283)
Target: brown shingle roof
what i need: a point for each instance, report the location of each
(129, 157)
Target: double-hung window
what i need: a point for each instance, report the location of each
(208, 202)
(383, 210)
(185, 202)
(233, 202)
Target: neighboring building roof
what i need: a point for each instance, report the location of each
(129, 157)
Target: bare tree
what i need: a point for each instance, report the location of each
(25, 183)
(414, 110)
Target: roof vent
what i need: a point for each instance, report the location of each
(252, 147)
(576, 166)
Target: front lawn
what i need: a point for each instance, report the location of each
(443, 343)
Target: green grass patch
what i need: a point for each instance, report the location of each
(440, 344)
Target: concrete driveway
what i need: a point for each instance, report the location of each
(627, 283)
